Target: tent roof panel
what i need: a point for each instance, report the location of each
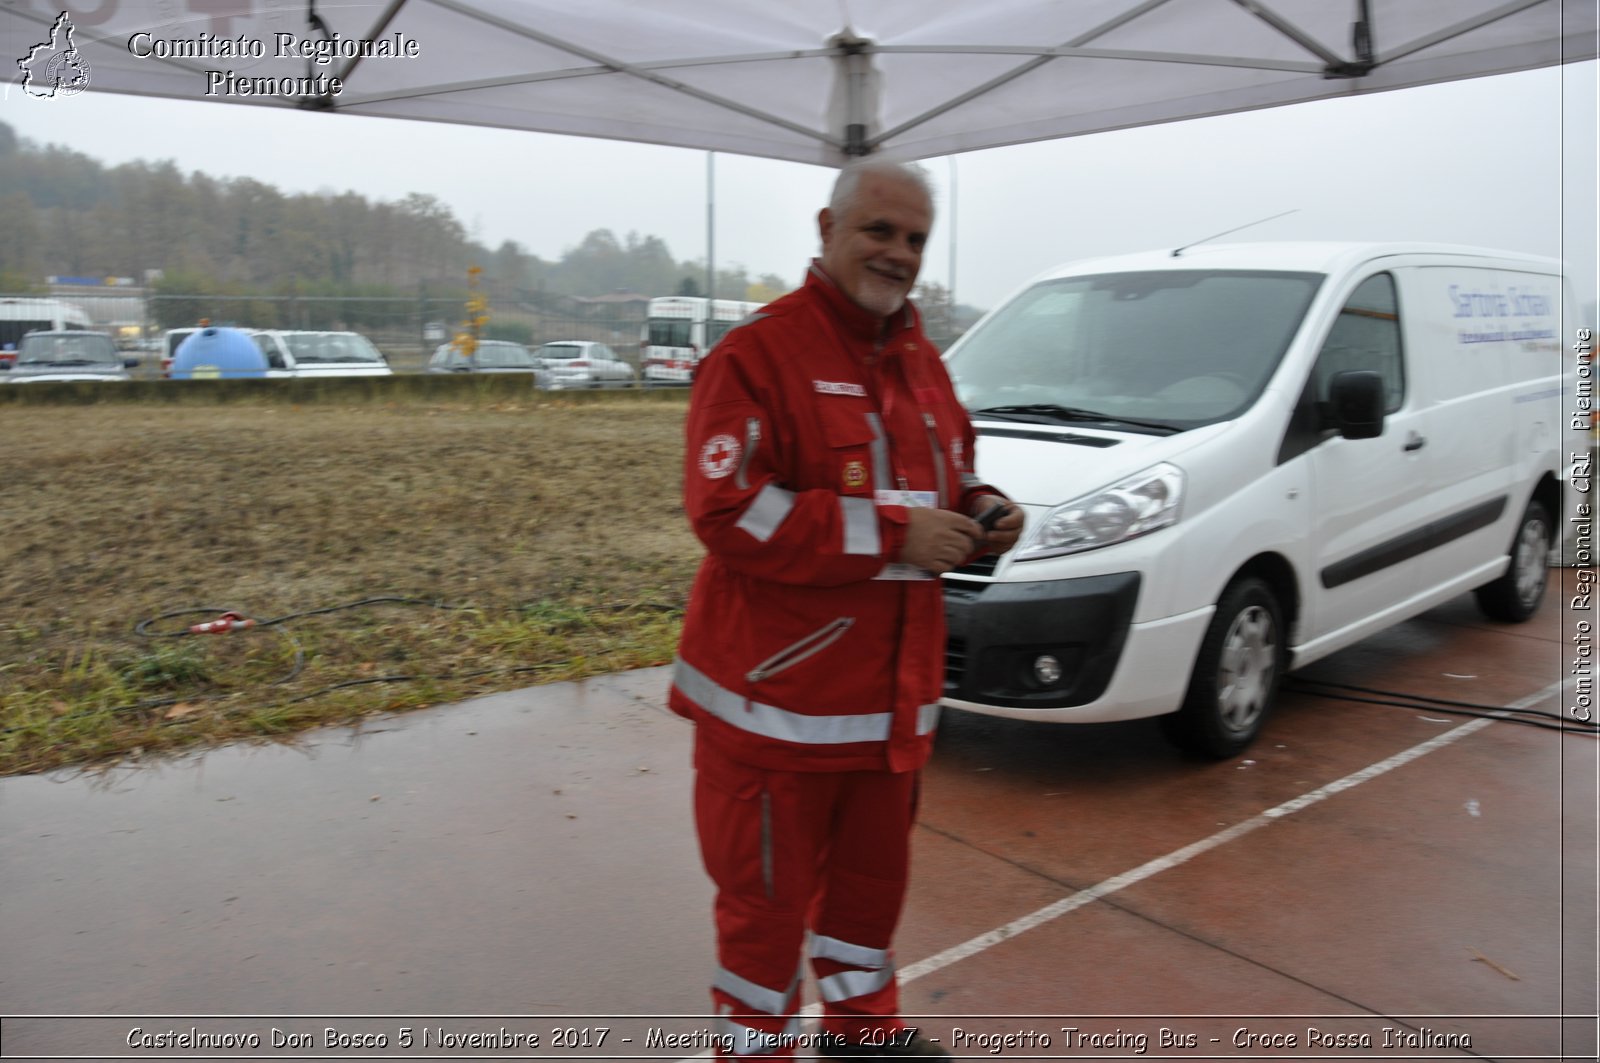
(757, 78)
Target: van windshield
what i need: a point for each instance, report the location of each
(1164, 350)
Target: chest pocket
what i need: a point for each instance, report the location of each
(856, 460)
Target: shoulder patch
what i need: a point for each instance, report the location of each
(719, 456)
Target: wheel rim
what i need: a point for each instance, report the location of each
(1528, 562)
(1246, 669)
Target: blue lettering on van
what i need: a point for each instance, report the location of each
(1529, 304)
(1477, 304)
(1515, 303)
(1501, 335)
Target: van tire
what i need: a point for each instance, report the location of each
(1516, 595)
(1236, 674)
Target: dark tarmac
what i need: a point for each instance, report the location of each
(1369, 881)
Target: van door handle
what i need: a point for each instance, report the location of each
(1414, 442)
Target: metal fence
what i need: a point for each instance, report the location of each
(406, 329)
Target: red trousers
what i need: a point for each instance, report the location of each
(792, 852)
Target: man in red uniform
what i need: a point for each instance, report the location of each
(829, 474)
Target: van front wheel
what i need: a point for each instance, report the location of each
(1516, 595)
(1235, 676)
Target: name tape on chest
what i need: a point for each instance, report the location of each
(837, 387)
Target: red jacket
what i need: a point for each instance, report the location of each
(796, 654)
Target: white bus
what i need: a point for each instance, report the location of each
(677, 334)
(20, 316)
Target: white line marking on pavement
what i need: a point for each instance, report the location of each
(982, 942)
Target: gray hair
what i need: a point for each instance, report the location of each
(849, 180)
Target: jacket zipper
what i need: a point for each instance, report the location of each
(796, 652)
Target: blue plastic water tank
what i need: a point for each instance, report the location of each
(218, 352)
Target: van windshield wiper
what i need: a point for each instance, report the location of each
(1048, 412)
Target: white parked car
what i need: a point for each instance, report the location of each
(293, 353)
(581, 364)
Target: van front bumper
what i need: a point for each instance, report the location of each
(1007, 641)
(1110, 667)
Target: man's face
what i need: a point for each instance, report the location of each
(873, 249)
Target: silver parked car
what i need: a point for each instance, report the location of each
(581, 364)
(492, 356)
(69, 355)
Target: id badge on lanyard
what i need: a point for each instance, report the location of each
(924, 499)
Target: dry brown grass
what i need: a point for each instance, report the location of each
(558, 524)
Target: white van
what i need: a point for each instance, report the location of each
(171, 340)
(1235, 460)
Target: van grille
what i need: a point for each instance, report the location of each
(955, 664)
(983, 566)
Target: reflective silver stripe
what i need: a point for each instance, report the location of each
(752, 439)
(860, 518)
(744, 1040)
(762, 516)
(882, 479)
(771, 1001)
(928, 718)
(748, 319)
(769, 721)
(847, 985)
(969, 481)
(827, 948)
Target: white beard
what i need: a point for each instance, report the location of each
(879, 297)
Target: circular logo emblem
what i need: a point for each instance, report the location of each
(67, 72)
(719, 456)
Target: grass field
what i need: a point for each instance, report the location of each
(515, 540)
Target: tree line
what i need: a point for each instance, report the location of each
(64, 213)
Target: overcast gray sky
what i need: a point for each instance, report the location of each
(1507, 161)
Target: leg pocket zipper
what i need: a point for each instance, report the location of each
(767, 877)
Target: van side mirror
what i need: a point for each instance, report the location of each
(1355, 404)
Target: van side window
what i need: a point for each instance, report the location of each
(1366, 336)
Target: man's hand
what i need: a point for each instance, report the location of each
(938, 540)
(1006, 531)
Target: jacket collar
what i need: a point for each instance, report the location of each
(857, 323)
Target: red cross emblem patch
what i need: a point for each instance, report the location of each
(719, 456)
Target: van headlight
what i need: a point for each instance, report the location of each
(1140, 504)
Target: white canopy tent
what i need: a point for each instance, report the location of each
(813, 81)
